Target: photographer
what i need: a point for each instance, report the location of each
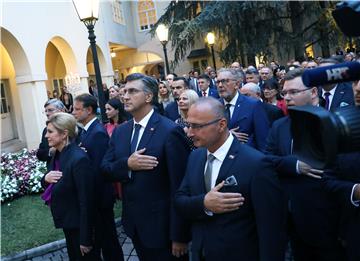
(313, 216)
(344, 181)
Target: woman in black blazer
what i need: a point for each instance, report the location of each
(72, 183)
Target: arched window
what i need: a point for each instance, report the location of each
(147, 14)
(118, 15)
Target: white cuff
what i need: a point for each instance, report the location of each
(356, 203)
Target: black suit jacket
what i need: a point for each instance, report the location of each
(172, 111)
(341, 181)
(96, 140)
(148, 195)
(273, 112)
(314, 211)
(72, 197)
(256, 231)
(43, 151)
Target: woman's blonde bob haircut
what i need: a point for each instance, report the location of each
(63, 121)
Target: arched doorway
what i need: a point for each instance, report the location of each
(15, 68)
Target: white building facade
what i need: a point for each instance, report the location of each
(44, 46)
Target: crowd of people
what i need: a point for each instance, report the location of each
(201, 162)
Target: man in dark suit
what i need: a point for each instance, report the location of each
(94, 139)
(334, 96)
(313, 213)
(178, 86)
(193, 82)
(44, 152)
(230, 192)
(248, 121)
(148, 155)
(344, 181)
(253, 90)
(205, 90)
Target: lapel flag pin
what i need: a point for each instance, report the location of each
(152, 129)
(231, 157)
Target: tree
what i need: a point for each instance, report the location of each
(248, 28)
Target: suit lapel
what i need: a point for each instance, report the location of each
(86, 134)
(149, 130)
(236, 114)
(230, 158)
(338, 94)
(200, 181)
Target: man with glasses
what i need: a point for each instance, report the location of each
(313, 213)
(247, 119)
(148, 156)
(230, 193)
(44, 153)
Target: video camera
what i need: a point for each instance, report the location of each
(330, 133)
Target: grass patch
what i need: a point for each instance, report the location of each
(26, 223)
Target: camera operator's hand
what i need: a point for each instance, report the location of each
(307, 170)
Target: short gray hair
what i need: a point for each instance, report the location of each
(238, 74)
(252, 87)
(56, 103)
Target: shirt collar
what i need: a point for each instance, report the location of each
(221, 152)
(87, 126)
(332, 91)
(233, 101)
(144, 121)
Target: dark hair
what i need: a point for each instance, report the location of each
(271, 84)
(334, 59)
(186, 83)
(292, 74)
(205, 77)
(252, 71)
(117, 105)
(150, 85)
(88, 101)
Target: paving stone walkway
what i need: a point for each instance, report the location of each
(58, 252)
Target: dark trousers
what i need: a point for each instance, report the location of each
(72, 237)
(154, 254)
(303, 251)
(106, 240)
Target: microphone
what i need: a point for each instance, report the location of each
(343, 72)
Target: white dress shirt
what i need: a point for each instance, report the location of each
(143, 122)
(233, 103)
(331, 96)
(87, 126)
(219, 155)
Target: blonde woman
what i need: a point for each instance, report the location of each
(186, 99)
(70, 185)
(165, 96)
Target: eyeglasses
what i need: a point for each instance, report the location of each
(224, 81)
(292, 92)
(197, 126)
(50, 110)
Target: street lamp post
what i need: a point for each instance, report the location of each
(162, 32)
(88, 12)
(210, 37)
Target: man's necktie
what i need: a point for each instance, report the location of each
(208, 172)
(204, 93)
(227, 112)
(135, 138)
(327, 100)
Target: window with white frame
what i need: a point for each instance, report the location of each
(147, 14)
(118, 14)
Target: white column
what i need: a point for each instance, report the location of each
(32, 99)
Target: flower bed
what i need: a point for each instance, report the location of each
(21, 174)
